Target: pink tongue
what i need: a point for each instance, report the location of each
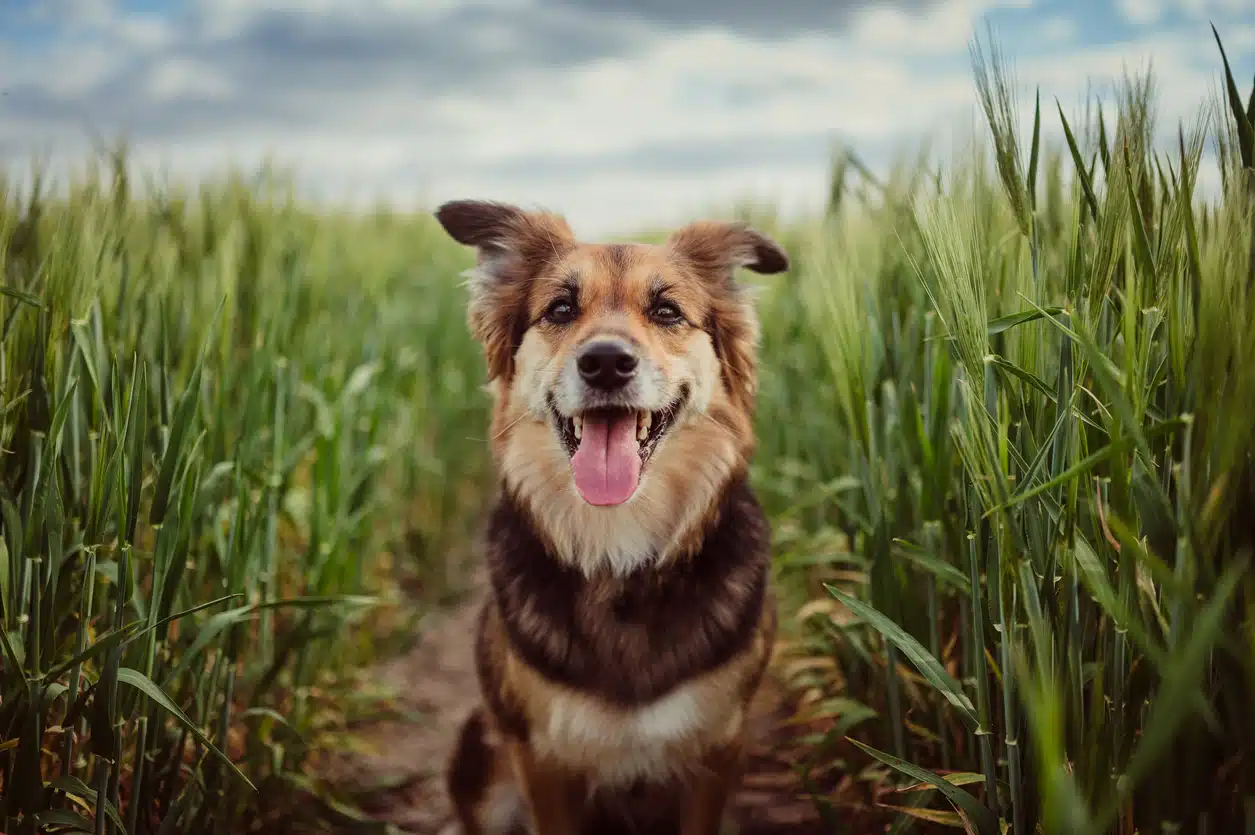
(607, 465)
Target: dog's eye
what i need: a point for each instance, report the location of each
(666, 313)
(561, 312)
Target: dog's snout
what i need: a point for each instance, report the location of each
(607, 364)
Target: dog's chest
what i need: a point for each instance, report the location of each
(650, 741)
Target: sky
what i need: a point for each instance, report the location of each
(617, 113)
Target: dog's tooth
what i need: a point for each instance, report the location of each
(577, 424)
(643, 423)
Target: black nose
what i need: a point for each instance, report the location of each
(607, 365)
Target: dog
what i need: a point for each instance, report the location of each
(630, 617)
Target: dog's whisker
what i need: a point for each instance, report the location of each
(721, 427)
(509, 426)
(498, 436)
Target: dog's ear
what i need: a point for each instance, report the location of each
(513, 246)
(714, 250)
(719, 247)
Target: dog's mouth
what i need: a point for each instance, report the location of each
(610, 446)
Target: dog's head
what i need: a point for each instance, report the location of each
(623, 374)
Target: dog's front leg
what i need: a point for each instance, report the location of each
(555, 796)
(708, 789)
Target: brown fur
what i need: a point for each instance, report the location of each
(620, 646)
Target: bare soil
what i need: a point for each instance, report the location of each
(398, 779)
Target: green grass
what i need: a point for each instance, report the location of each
(1025, 386)
(223, 419)
(1005, 440)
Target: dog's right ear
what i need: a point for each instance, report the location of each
(512, 246)
(479, 223)
(499, 229)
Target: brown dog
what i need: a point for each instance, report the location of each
(630, 617)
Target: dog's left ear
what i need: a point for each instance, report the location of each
(714, 249)
(721, 246)
(513, 246)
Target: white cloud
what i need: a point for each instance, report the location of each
(656, 125)
(1201, 9)
(144, 32)
(1057, 30)
(1140, 12)
(78, 71)
(75, 13)
(942, 28)
(813, 85)
(175, 78)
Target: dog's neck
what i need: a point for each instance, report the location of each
(631, 638)
(651, 531)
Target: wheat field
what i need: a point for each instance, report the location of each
(1005, 440)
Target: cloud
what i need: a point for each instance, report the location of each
(471, 46)
(676, 157)
(1141, 11)
(748, 18)
(617, 112)
(1058, 30)
(297, 65)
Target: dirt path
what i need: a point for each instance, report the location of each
(399, 780)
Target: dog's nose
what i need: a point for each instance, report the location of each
(607, 365)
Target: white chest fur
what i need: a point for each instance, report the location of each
(655, 740)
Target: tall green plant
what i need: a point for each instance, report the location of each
(1050, 450)
(219, 414)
